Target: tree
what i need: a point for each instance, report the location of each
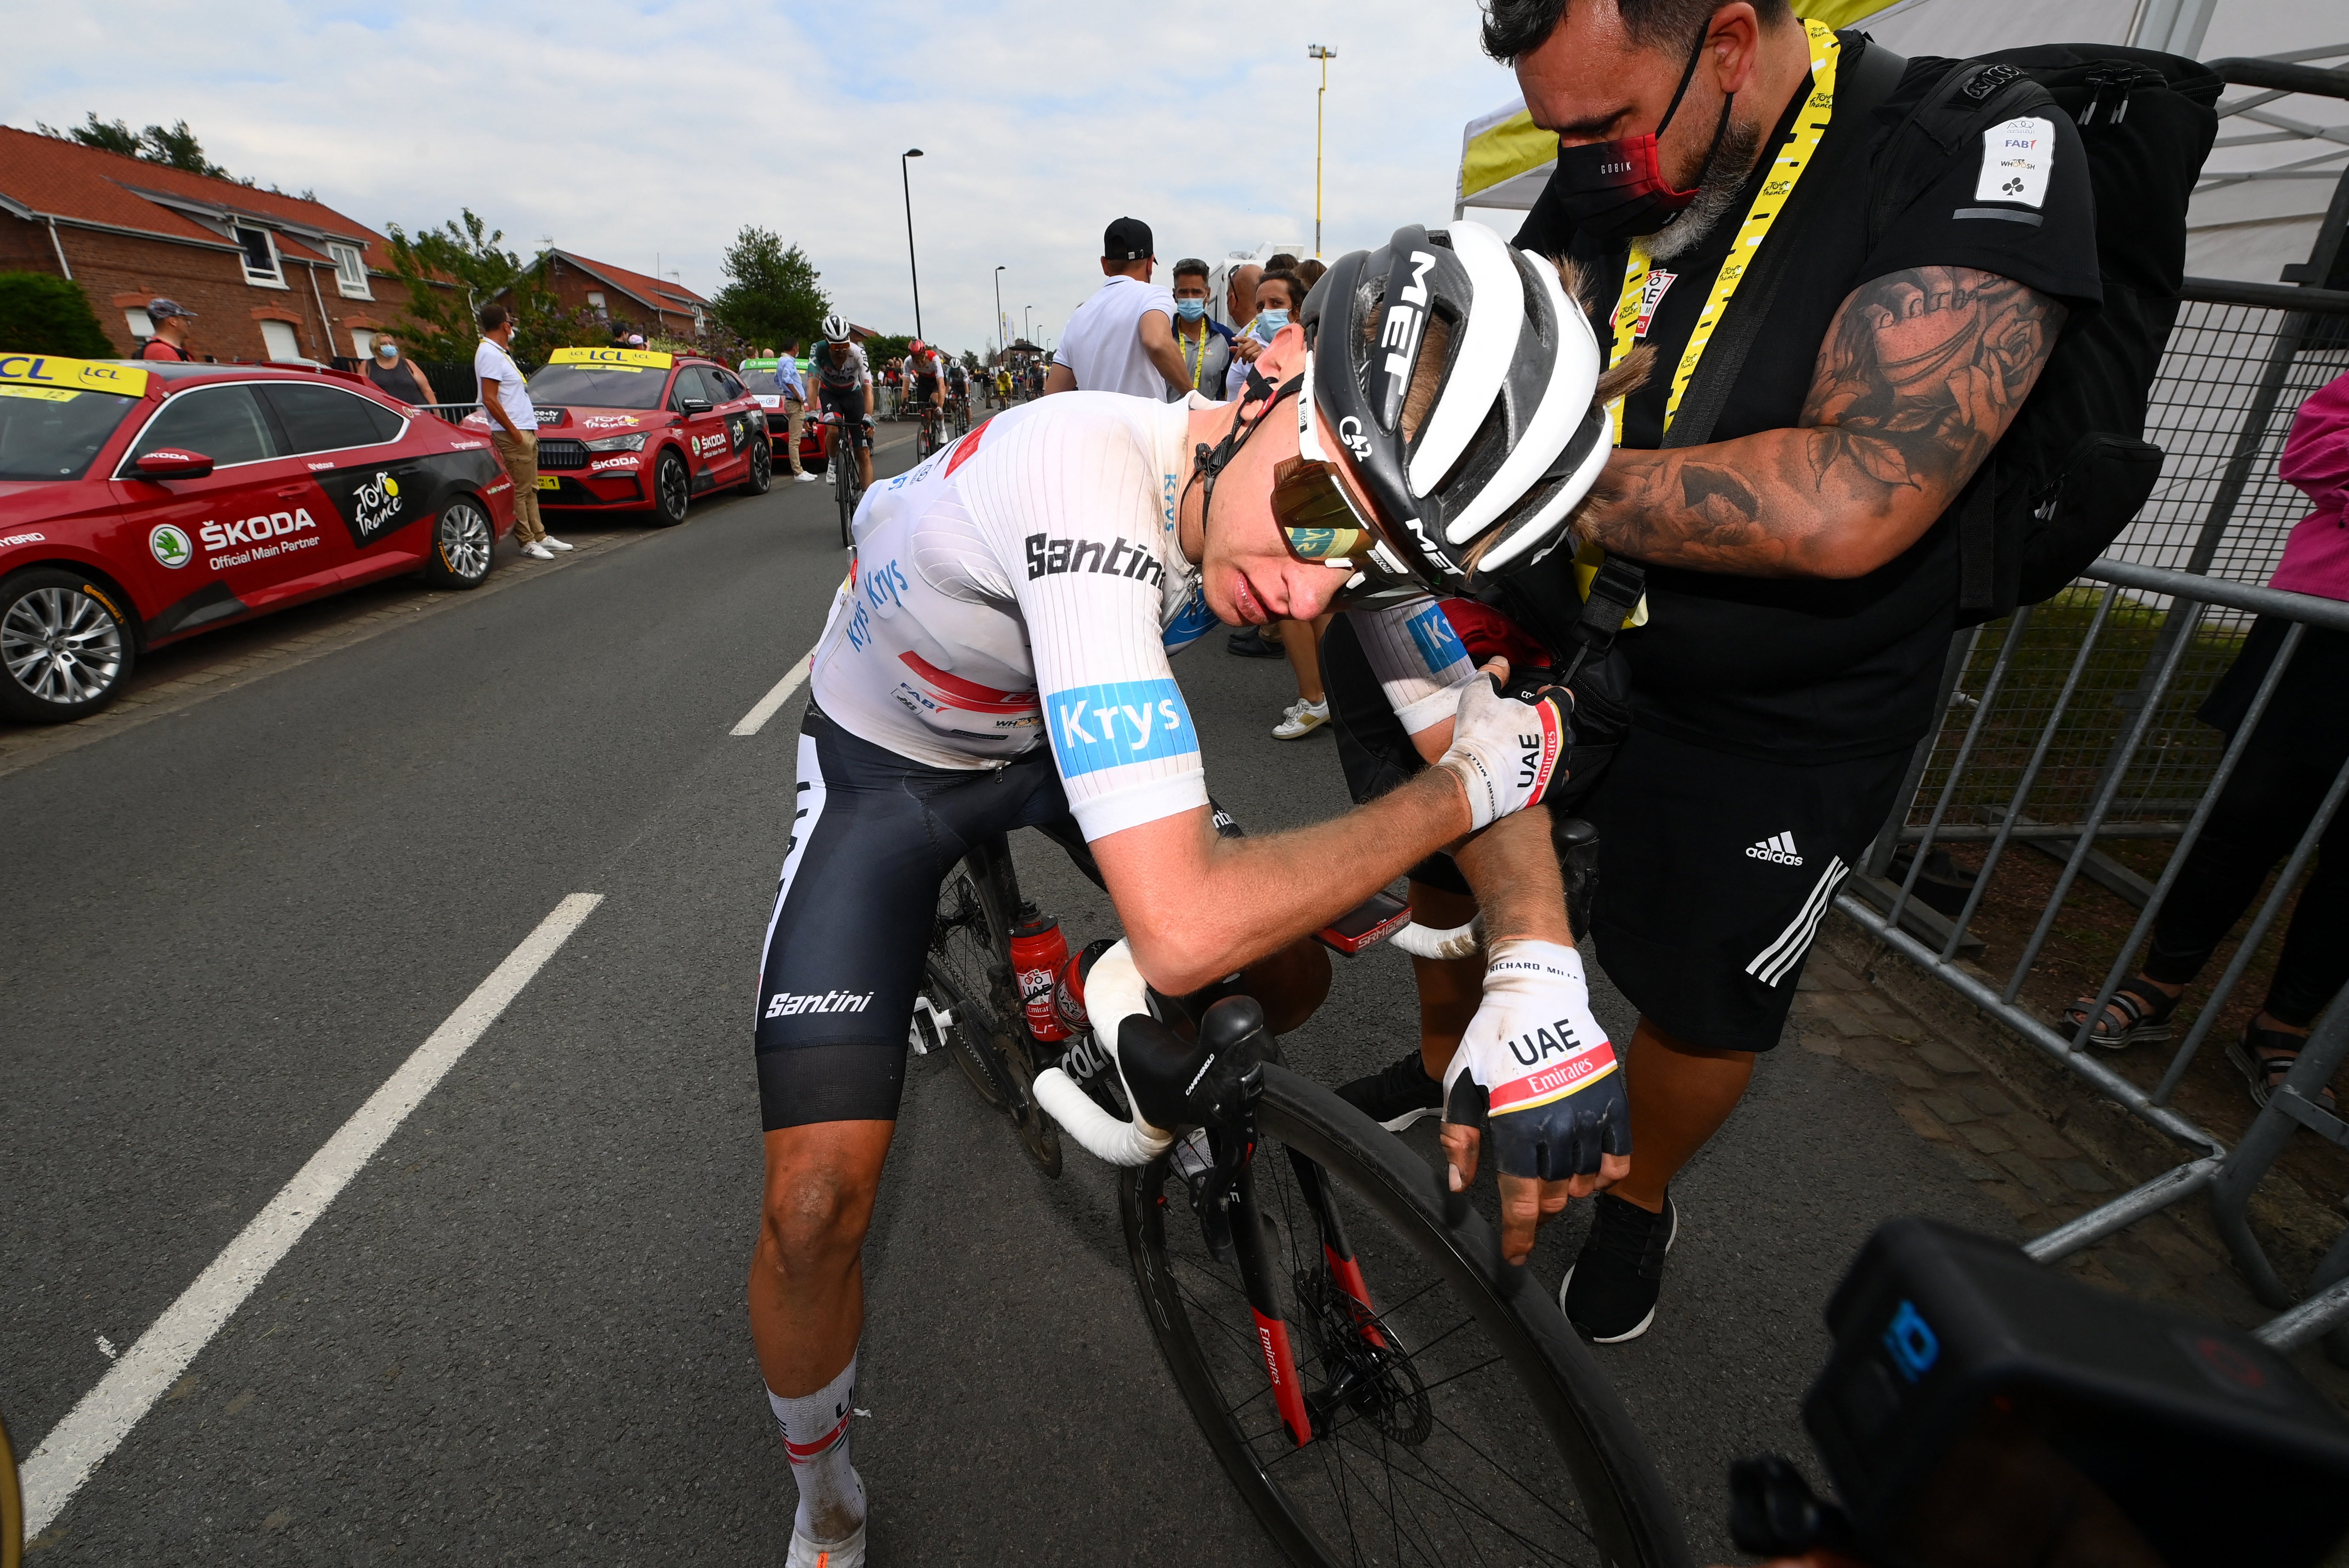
(41, 313)
(177, 147)
(451, 272)
(771, 296)
(880, 351)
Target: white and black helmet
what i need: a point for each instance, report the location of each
(836, 330)
(1513, 441)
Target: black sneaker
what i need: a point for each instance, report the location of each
(1609, 1294)
(1396, 1095)
(1249, 642)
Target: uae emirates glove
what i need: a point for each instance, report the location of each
(1537, 1070)
(1507, 752)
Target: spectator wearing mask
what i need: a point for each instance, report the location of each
(1204, 343)
(2274, 791)
(170, 340)
(1239, 307)
(1277, 294)
(793, 389)
(1122, 338)
(393, 372)
(514, 428)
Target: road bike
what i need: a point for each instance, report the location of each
(958, 406)
(840, 451)
(1379, 1384)
(927, 438)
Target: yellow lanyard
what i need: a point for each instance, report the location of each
(1200, 363)
(1810, 125)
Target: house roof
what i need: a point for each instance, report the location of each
(644, 290)
(48, 177)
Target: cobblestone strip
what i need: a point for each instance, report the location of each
(2018, 1155)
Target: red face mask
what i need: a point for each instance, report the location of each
(1614, 190)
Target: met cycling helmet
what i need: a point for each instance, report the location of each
(836, 330)
(1516, 431)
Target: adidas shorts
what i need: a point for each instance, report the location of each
(1715, 872)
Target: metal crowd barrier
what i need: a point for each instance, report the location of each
(1961, 809)
(453, 412)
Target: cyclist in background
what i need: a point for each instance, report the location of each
(959, 390)
(924, 378)
(843, 383)
(999, 659)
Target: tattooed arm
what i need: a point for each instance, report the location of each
(1921, 374)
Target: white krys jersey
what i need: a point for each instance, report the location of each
(1024, 587)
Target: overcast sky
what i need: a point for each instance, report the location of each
(648, 134)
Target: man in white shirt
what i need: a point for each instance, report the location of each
(514, 428)
(1122, 338)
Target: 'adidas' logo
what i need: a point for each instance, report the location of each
(1780, 849)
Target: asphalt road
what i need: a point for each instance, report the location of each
(518, 1334)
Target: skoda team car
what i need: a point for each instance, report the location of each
(142, 502)
(626, 429)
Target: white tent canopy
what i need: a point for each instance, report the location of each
(2263, 193)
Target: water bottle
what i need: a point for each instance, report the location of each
(1038, 950)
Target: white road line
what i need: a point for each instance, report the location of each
(756, 719)
(97, 1425)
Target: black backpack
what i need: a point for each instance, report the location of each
(2072, 468)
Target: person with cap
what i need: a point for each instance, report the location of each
(1122, 338)
(170, 340)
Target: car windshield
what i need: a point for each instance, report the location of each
(759, 381)
(598, 386)
(53, 432)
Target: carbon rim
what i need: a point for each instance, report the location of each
(676, 488)
(1430, 1444)
(464, 541)
(61, 646)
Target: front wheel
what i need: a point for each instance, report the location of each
(1454, 1415)
(463, 540)
(672, 489)
(64, 649)
(762, 469)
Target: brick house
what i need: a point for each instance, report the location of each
(655, 306)
(270, 276)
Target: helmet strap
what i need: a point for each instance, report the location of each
(1208, 462)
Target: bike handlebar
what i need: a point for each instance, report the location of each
(1114, 992)
(1428, 942)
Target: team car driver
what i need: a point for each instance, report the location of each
(999, 659)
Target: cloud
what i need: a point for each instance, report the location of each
(647, 134)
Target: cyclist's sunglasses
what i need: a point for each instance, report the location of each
(1319, 523)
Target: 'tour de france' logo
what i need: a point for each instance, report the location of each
(170, 546)
(376, 505)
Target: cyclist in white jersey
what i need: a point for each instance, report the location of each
(999, 658)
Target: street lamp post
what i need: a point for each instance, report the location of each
(1028, 323)
(1317, 52)
(1002, 327)
(907, 180)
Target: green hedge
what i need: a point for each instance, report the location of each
(41, 314)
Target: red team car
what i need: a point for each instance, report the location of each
(626, 429)
(143, 502)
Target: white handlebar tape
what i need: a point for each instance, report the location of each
(1427, 942)
(1114, 992)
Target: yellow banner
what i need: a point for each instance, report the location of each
(621, 358)
(1506, 152)
(75, 375)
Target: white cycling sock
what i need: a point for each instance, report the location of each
(816, 1437)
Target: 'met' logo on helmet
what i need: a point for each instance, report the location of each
(1399, 336)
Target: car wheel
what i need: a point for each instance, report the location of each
(672, 489)
(462, 542)
(762, 469)
(64, 650)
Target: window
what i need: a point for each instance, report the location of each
(223, 423)
(688, 388)
(278, 337)
(325, 419)
(260, 254)
(141, 325)
(55, 435)
(362, 341)
(596, 303)
(350, 271)
(727, 387)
